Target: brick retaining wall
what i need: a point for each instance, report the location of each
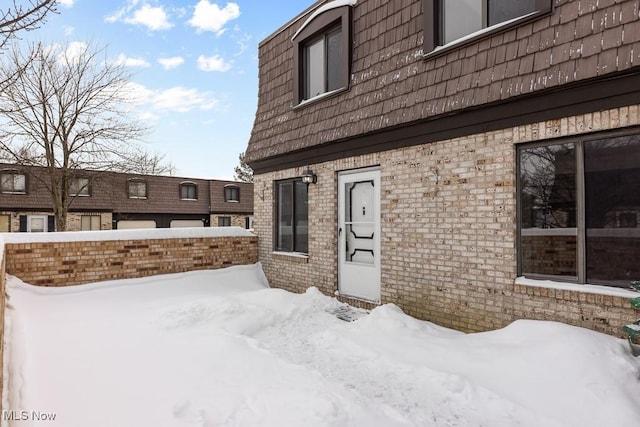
(72, 263)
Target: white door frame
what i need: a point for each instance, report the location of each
(359, 278)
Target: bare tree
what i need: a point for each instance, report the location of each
(243, 171)
(69, 109)
(22, 16)
(18, 16)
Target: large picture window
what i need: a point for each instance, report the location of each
(449, 20)
(322, 53)
(579, 210)
(291, 217)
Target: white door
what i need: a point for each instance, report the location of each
(359, 235)
(37, 223)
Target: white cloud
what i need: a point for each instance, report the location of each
(126, 61)
(209, 17)
(66, 3)
(173, 62)
(154, 18)
(182, 99)
(175, 99)
(74, 51)
(213, 63)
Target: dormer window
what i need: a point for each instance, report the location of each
(448, 21)
(231, 193)
(322, 53)
(79, 187)
(137, 189)
(13, 183)
(188, 191)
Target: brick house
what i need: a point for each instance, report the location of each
(472, 162)
(105, 200)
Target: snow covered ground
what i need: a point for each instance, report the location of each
(220, 348)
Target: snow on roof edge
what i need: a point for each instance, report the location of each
(141, 234)
(328, 6)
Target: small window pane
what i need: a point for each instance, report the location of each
(224, 221)
(314, 69)
(612, 209)
(505, 10)
(285, 216)
(301, 218)
(548, 210)
(461, 17)
(334, 60)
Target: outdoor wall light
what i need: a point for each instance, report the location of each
(308, 177)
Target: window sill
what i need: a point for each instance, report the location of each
(190, 200)
(297, 257)
(482, 34)
(232, 201)
(320, 97)
(136, 197)
(14, 192)
(574, 287)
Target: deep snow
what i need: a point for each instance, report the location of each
(220, 348)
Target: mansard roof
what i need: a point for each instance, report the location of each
(584, 48)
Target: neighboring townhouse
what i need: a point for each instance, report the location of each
(106, 200)
(231, 204)
(473, 162)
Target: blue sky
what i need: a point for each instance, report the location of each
(196, 61)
